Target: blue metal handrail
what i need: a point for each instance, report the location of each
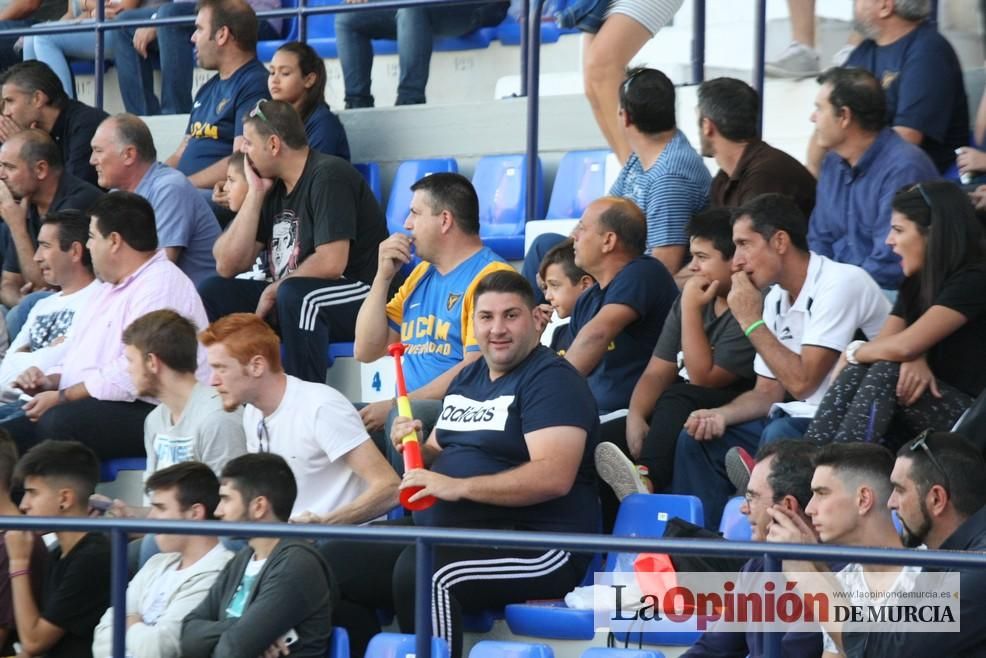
(426, 539)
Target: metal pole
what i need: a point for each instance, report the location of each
(100, 51)
(423, 559)
(118, 543)
(302, 22)
(772, 641)
(524, 46)
(533, 105)
(698, 42)
(759, 53)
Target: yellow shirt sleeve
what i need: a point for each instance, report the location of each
(468, 335)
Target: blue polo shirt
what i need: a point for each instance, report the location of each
(922, 79)
(851, 219)
(325, 132)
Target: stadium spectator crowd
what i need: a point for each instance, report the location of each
(808, 336)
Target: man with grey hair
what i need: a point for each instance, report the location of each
(920, 73)
(125, 159)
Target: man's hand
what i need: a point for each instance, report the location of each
(144, 37)
(279, 648)
(542, 317)
(914, 379)
(40, 405)
(254, 180)
(14, 212)
(789, 528)
(19, 543)
(8, 128)
(637, 429)
(970, 160)
(374, 415)
(392, 255)
(307, 517)
(979, 197)
(219, 195)
(744, 300)
(705, 424)
(433, 484)
(268, 299)
(33, 381)
(698, 292)
(402, 427)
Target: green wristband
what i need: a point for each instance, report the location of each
(752, 328)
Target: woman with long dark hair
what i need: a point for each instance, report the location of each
(929, 361)
(297, 76)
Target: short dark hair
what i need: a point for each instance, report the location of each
(309, 62)
(263, 474)
(235, 15)
(869, 462)
(714, 225)
(965, 469)
(128, 214)
(625, 218)
(70, 461)
(791, 470)
(130, 130)
(37, 146)
(8, 459)
(860, 92)
(237, 160)
(773, 212)
(455, 193)
(194, 484)
(34, 75)
(563, 255)
(733, 106)
(73, 226)
(505, 281)
(167, 334)
(278, 118)
(647, 98)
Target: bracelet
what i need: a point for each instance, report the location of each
(753, 327)
(19, 572)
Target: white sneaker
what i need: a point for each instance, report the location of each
(842, 55)
(618, 471)
(795, 61)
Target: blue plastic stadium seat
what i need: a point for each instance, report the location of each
(408, 173)
(640, 515)
(110, 468)
(87, 66)
(581, 179)
(600, 652)
(397, 645)
(339, 643)
(734, 524)
(371, 172)
(493, 649)
(501, 185)
(339, 351)
(289, 32)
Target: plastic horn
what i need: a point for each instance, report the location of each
(412, 449)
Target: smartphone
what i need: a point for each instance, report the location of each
(290, 637)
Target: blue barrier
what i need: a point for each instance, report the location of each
(426, 539)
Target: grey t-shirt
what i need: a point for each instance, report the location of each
(731, 350)
(205, 432)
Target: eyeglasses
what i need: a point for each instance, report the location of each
(924, 195)
(921, 443)
(257, 112)
(263, 436)
(630, 78)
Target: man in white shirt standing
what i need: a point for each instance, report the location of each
(342, 477)
(174, 581)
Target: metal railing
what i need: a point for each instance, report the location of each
(425, 540)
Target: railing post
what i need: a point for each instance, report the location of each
(98, 63)
(302, 22)
(118, 593)
(772, 648)
(423, 559)
(524, 46)
(533, 104)
(759, 52)
(698, 42)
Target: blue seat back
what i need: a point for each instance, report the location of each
(321, 26)
(600, 652)
(398, 645)
(493, 649)
(408, 173)
(110, 468)
(647, 515)
(502, 188)
(339, 643)
(734, 524)
(371, 172)
(581, 179)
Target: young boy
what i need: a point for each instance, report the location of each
(702, 359)
(235, 188)
(562, 282)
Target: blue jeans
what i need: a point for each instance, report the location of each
(415, 29)
(17, 316)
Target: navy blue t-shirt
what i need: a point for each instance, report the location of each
(645, 286)
(481, 432)
(217, 115)
(325, 132)
(922, 78)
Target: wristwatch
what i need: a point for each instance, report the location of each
(851, 351)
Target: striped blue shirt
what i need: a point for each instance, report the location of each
(670, 192)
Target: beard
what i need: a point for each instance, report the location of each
(914, 537)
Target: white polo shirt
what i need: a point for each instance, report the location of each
(836, 301)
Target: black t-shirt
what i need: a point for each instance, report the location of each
(73, 131)
(76, 594)
(959, 357)
(330, 202)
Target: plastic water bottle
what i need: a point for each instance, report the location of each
(966, 177)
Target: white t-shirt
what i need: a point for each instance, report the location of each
(313, 429)
(836, 301)
(51, 318)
